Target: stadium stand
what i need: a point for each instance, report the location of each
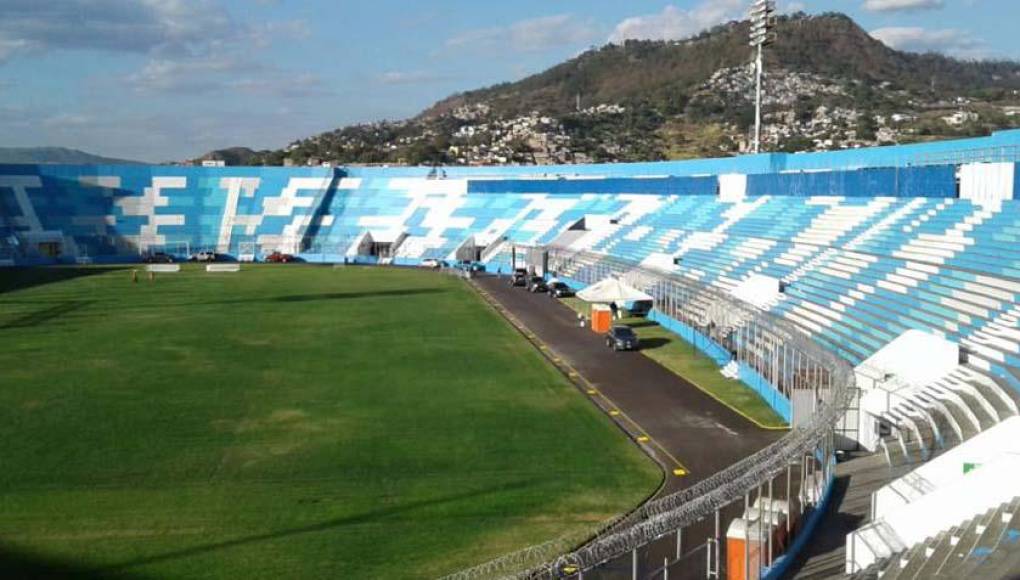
(871, 256)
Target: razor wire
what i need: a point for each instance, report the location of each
(659, 517)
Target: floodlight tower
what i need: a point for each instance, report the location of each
(762, 34)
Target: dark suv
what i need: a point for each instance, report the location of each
(158, 258)
(622, 338)
(560, 290)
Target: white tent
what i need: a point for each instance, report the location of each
(612, 290)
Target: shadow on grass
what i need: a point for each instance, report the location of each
(367, 517)
(642, 324)
(45, 315)
(16, 564)
(653, 343)
(12, 279)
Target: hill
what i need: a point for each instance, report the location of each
(232, 155)
(34, 155)
(829, 85)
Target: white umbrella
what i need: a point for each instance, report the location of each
(612, 290)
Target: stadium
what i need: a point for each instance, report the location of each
(356, 415)
(421, 356)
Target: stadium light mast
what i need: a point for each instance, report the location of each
(762, 34)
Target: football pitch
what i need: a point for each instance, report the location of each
(285, 421)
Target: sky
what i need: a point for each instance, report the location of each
(163, 80)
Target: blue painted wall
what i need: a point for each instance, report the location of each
(611, 185)
(933, 181)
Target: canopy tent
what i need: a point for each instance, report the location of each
(612, 290)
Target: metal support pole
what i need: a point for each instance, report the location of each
(789, 500)
(665, 569)
(761, 529)
(747, 538)
(771, 518)
(679, 543)
(717, 540)
(634, 564)
(708, 558)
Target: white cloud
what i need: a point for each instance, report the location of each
(137, 26)
(410, 78)
(901, 5)
(200, 76)
(674, 23)
(152, 27)
(791, 7)
(949, 41)
(532, 35)
(65, 120)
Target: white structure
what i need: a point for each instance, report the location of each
(953, 488)
(230, 267)
(163, 268)
(758, 290)
(892, 382)
(732, 187)
(612, 290)
(987, 182)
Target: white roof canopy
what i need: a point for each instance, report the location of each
(612, 290)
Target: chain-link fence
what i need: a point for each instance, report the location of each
(681, 535)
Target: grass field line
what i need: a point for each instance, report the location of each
(636, 432)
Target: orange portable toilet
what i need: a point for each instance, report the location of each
(601, 318)
(752, 537)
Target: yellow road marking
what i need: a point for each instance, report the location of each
(680, 470)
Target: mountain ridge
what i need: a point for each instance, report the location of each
(829, 84)
(56, 155)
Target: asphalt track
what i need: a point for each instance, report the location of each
(686, 429)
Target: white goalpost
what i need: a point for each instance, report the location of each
(246, 251)
(180, 249)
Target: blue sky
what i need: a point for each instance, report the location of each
(162, 80)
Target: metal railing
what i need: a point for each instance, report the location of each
(800, 464)
(1000, 154)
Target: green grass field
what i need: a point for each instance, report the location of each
(287, 421)
(677, 355)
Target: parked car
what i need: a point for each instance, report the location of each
(560, 290)
(471, 266)
(519, 278)
(279, 258)
(203, 257)
(433, 263)
(622, 337)
(537, 284)
(158, 258)
(640, 309)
